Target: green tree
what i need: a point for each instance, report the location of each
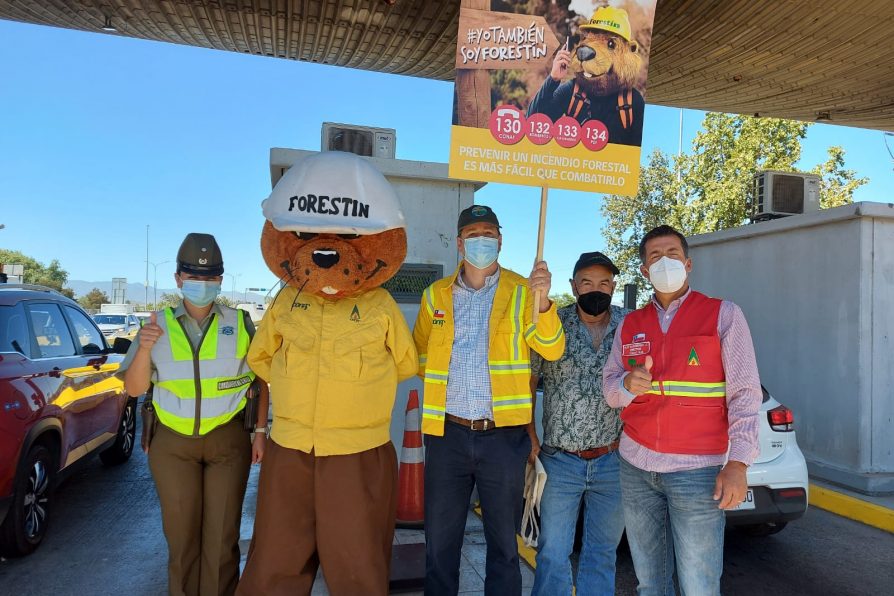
(93, 299)
(563, 299)
(221, 299)
(709, 189)
(166, 300)
(52, 275)
(838, 183)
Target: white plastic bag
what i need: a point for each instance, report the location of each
(535, 480)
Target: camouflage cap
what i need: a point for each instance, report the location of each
(200, 255)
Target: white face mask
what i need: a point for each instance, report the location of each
(667, 275)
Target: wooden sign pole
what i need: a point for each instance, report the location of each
(540, 232)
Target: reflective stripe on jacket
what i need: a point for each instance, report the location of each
(686, 411)
(200, 388)
(512, 335)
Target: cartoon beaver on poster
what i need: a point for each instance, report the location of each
(334, 346)
(605, 65)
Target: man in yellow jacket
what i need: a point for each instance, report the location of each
(474, 334)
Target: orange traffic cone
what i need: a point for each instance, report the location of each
(410, 491)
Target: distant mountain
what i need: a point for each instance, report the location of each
(136, 292)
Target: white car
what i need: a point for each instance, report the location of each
(115, 325)
(777, 481)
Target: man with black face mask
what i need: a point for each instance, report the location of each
(580, 440)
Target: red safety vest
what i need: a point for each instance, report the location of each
(685, 412)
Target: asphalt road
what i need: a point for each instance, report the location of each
(105, 538)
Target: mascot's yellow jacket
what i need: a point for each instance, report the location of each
(333, 368)
(511, 335)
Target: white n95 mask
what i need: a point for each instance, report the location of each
(667, 275)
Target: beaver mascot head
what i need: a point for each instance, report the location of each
(605, 60)
(334, 227)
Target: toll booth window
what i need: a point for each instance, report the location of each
(51, 331)
(89, 337)
(14, 329)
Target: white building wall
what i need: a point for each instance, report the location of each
(817, 291)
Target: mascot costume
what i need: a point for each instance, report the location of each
(334, 346)
(605, 65)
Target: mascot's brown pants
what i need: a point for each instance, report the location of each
(337, 511)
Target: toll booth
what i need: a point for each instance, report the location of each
(431, 202)
(817, 291)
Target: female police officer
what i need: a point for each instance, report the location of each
(194, 355)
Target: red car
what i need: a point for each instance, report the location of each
(59, 402)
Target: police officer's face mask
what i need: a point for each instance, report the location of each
(481, 251)
(200, 293)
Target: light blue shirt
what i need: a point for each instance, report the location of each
(468, 377)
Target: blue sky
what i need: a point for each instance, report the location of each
(102, 135)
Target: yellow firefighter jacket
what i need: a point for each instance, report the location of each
(333, 368)
(511, 335)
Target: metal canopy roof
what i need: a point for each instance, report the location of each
(819, 60)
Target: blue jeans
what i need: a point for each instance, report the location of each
(570, 480)
(494, 460)
(674, 516)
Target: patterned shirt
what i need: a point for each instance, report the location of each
(575, 414)
(468, 377)
(743, 394)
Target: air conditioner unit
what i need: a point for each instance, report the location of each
(779, 194)
(362, 140)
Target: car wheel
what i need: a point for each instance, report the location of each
(26, 521)
(762, 530)
(122, 448)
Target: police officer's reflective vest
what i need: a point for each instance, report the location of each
(200, 388)
(686, 411)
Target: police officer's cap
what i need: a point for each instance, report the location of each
(200, 255)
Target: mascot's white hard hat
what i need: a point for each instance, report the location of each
(333, 193)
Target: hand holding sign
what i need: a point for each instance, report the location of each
(539, 282)
(150, 332)
(639, 380)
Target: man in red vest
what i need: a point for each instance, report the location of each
(684, 372)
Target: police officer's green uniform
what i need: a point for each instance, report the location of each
(200, 455)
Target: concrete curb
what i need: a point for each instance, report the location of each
(852, 508)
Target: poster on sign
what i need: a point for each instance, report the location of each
(550, 94)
